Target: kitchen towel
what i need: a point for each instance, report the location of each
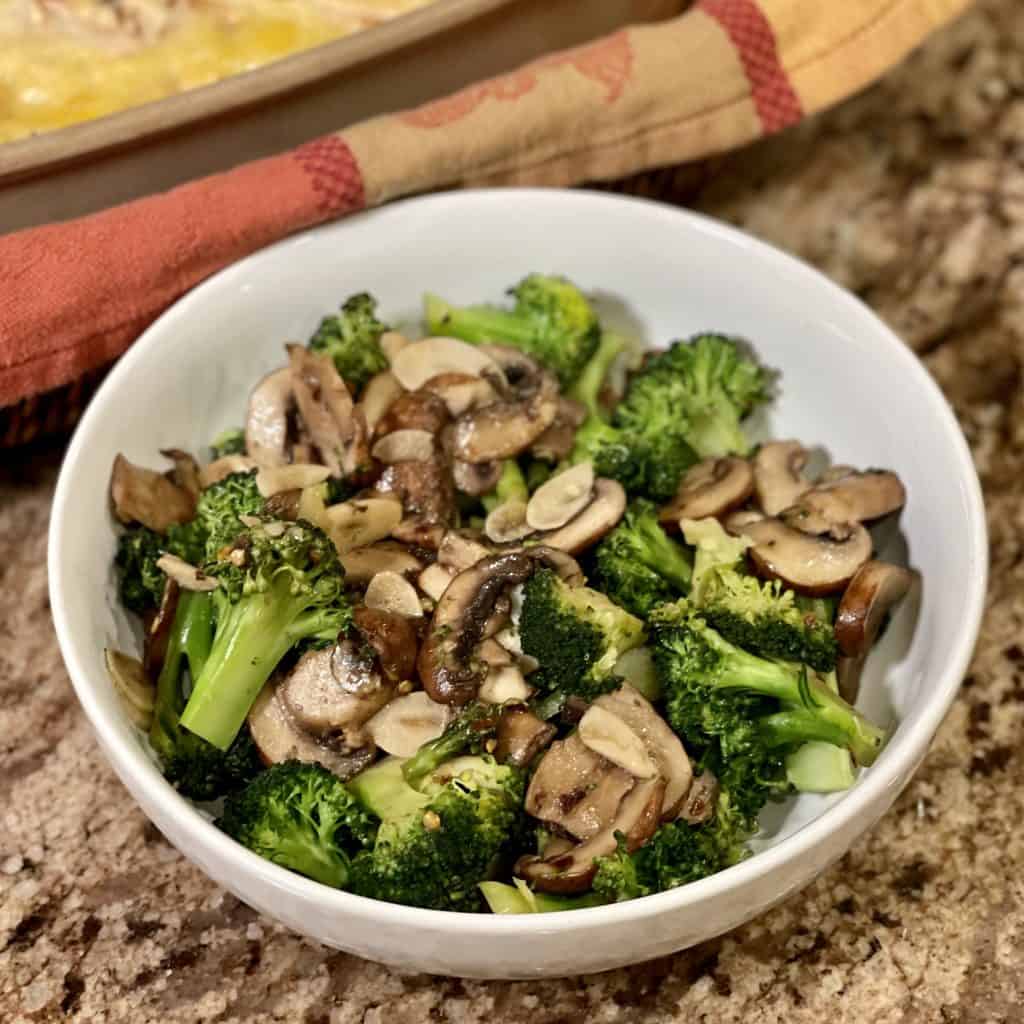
(74, 295)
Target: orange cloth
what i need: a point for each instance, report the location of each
(74, 296)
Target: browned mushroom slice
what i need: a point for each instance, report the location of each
(144, 496)
(573, 871)
(461, 392)
(414, 410)
(476, 478)
(507, 427)
(778, 482)
(186, 471)
(325, 404)
(266, 423)
(662, 744)
(521, 736)
(393, 637)
(159, 630)
(809, 563)
(362, 564)
(576, 790)
(856, 497)
(598, 518)
(419, 532)
(278, 738)
(557, 441)
(848, 673)
(710, 489)
(873, 592)
(699, 803)
(425, 489)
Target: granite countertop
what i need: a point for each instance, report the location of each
(912, 195)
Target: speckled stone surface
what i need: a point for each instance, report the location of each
(912, 195)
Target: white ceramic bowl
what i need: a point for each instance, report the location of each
(847, 383)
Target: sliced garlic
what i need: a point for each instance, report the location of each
(272, 480)
(404, 446)
(434, 580)
(561, 498)
(217, 470)
(416, 363)
(507, 522)
(504, 683)
(392, 342)
(608, 735)
(390, 592)
(186, 575)
(137, 692)
(378, 396)
(362, 564)
(402, 726)
(362, 521)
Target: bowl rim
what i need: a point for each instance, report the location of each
(905, 748)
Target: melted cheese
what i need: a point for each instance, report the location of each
(65, 61)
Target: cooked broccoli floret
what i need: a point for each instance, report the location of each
(466, 734)
(279, 587)
(194, 767)
(230, 442)
(435, 846)
(714, 549)
(141, 582)
(519, 898)
(686, 403)
(352, 339)
(552, 321)
(639, 565)
(220, 508)
(577, 634)
(715, 690)
(302, 817)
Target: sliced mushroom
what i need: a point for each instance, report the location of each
(874, 591)
(409, 445)
(334, 691)
(419, 532)
(561, 498)
(710, 489)
(144, 496)
(133, 686)
(848, 673)
(520, 737)
(778, 482)
(392, 637)
(503, 684)
(434, 580)
(576, 790)
(854, 498)
(402, 726)
(362, 521)
(271, 480)
(556, 443)
(362, 564)
(217, 470)
(508, 427)
(461, 392)
(158, 631)
(381, 391)
(699, 803)
(278, 738)
(425, 489)
(186, 471)
(325, 404)
(573, 871)
(598, 518)
(663, 747)
(389, 592)
(464, 615)
(809, 563)
(418, 362)
(266, 422)
(285, 505)
(186, 575)
(491, 653)
(507, 522)
(414, 410)
(476, 478)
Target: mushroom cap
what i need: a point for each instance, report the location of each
(414, 410)
(599, 517)
(325, 406)
(521, 736)
(393, 638)
(266, 421)
(145, 496)
(872, 593)
(777, 475)
(809, 563)
(710, 489)
(853, 498)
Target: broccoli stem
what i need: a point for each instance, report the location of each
(253, 635)
(818, 767)
(586, 389)
(796, 725)
(512, 899)
(511, 486)
(475, 324)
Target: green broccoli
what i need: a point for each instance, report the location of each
(552, 321)
(194, 767)
(141, 583)
(511, 486)
(519, 898)
(280, 585)
(577, 634)
(467, 733)
(719, 691)
(220, 508)
(229, 442)
(639, 565)
(301, 817)
(352, 340)
(437, 843)
(714, 549)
